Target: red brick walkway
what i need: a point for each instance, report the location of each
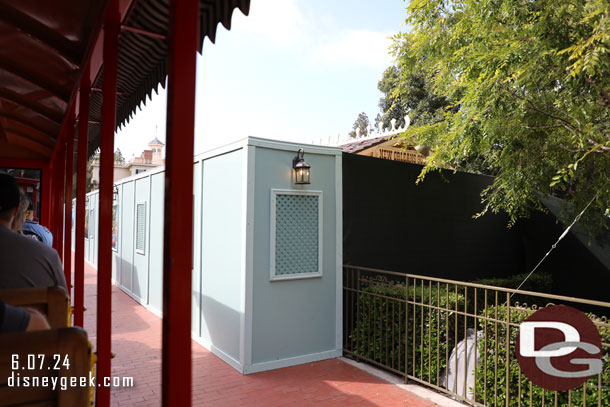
(136, 340)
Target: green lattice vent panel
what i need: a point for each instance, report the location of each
(140, 227)
(297, 234)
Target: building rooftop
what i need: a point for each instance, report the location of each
(359, 145)
(156, 141)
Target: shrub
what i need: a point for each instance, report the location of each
(492, 344)
(536, 282)
(379, 334)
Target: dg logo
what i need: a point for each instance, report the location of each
(559, 348)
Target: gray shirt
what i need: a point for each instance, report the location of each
(24, 262)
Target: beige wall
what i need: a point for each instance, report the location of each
(119, 173)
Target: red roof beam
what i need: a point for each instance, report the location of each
(34, 79)
(143, 32)
(41, 33)
(16, 98)
(33, 131)
(24, 141)
(100, 90)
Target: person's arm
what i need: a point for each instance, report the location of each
(38, 321)
(13, 319)
(17, 319)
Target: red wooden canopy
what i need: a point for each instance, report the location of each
(92, 63)
(45, 45)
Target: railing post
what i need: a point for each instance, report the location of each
(358, 310)
(178, 220)
(406, 327)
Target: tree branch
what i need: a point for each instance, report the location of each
(566, 123)
(541, 127)
(600, 146)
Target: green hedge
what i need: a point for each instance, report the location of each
(381, 338)
(379, 335)
(536, 282)
(487, 346)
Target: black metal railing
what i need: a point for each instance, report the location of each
(457, 337)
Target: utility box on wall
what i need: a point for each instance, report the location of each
(267, 253)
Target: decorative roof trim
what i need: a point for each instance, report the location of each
(370, 134)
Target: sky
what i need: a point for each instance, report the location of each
(294, 70)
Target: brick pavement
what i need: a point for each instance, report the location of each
(136, 340)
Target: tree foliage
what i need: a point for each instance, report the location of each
(362, 123)
(118, 157)
(409, 92)
(529, 83)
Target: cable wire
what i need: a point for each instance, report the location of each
(565, 232)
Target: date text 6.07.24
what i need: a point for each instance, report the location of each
(40, 362)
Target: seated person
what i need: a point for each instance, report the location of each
(19, 219)
(17, 319)
(34, 229)
(24, 262)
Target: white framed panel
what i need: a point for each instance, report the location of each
(296, 234)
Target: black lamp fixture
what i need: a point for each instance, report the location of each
(300, 168)
(115, 193)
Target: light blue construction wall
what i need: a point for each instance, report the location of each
(293, 321)
(219, 250)
(217, 247)
(155, 238)
(91, 237)
(249, 321)
(137, 272)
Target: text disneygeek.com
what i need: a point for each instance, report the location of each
(64, 382)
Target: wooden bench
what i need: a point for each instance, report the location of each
(53, 302)
(21, 355)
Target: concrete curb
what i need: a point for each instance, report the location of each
(420, 391)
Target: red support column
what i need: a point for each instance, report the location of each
(60, 164)
(45, 205)
(68, 199)
(81, 185)
(178, 222)
(104, 268)
(51, 208)
(54, 197)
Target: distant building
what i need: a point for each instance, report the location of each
(150, 158)
(154, 155)
(385, 147)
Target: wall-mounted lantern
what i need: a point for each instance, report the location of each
(115, 193)
(300, 168)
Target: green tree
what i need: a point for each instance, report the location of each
(118, 157)
(362, 122)
(529, 83)
(408, 91)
